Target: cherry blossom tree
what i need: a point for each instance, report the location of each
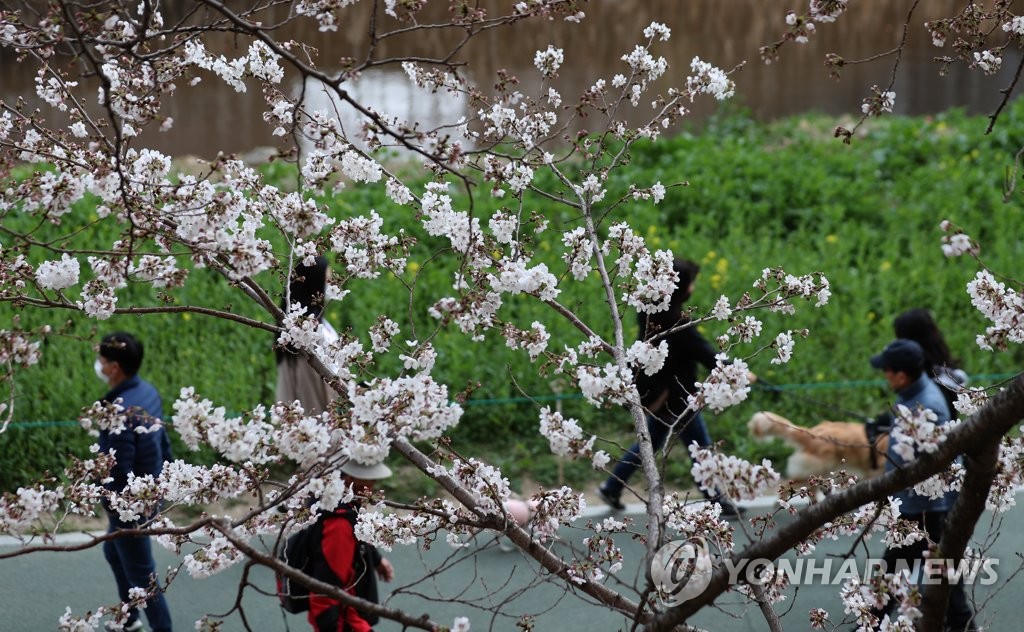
(105, 70)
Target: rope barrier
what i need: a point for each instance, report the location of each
(503, 401)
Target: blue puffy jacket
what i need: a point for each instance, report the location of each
(139, 452)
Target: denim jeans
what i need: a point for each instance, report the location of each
(131, 559)
(689, 428)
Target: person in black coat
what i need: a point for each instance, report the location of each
(664, 394)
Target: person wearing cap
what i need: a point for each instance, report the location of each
(139, 449)
(902, 362)
(344, 561)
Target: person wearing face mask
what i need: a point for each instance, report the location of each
(140, 448)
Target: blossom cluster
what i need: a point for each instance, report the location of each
(955, 242)
(364, 250)
(737, 479)
(879, 103)
(1015, 25)
(653, 277)
(548, 61)
(323, 11)
(648, 357)
(1002, 306)
(809, 287)
(1002, 496)
(827, 10)
(772, 582)
(565, 438)
(19, 511)
(603, 558)
(988, 61)
(646, 68)
(915, 431)
(689, 518)
(727, 385)
(385, 529)
(608, 384)
(555, 508)
(801, 27)
(489, 488)
(862, 599)
(60, 274)
(18, 349)
(707, 79)
(261, 63)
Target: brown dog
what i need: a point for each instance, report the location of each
(824, 448)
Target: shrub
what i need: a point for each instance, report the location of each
(786, 194)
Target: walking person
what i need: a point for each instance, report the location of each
(296, 379)
(902, 362)
(342, 560)
(664, 395)
(919, 325)
(139, 453)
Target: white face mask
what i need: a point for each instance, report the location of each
(98, 367)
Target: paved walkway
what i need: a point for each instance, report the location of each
(35, 589)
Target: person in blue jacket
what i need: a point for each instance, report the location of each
(137, 452)
(903, 363)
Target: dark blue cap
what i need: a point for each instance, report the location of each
(900, 355)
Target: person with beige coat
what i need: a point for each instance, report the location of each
(296, 379)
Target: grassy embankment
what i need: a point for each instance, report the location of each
(785, 194)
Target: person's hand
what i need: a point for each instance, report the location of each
(751, 378)
(385, 570)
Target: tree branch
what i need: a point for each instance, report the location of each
(517, 534)
(770, 616)
(981, 466)
(317, 586)
(1003, 412)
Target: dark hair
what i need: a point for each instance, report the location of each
(919, 326)
(307, 287)
(124, 349)
(653, 323)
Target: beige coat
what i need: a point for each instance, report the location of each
(296, 380)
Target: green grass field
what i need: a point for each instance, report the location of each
(783, 194)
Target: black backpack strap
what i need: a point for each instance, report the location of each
(365, 562)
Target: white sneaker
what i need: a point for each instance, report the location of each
(134, 627)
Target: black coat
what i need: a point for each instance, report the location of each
(686, 349)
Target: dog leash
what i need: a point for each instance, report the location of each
(867, 421)
(768, 387)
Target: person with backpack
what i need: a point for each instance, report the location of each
(338, 558)
(940, 365)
